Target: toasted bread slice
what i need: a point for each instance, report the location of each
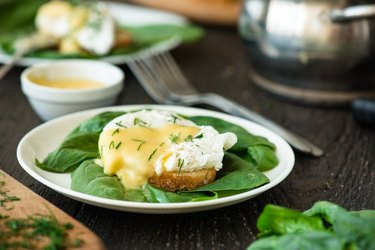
(123, 39)
(183, 180)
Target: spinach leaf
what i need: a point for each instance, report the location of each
(18, 15)
(301, 241)
(255, 149)
(71, 153)
(156, 195)
(324, 226)
(276, 220)
(151, 34)
(96, 124)
(348, 226)
(89, 178)
(80, 145)
(236, 174)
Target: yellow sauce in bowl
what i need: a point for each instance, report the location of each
(68, 83)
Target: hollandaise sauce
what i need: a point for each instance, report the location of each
(131, 153)
(68, 83)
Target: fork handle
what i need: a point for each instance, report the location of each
(234, 108)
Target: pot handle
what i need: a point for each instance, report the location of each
(353, 13)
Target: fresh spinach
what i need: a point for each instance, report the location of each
(156, 195)
(89, 178)
(324, 226)
(80, 145)
(80, 148)
(252, 148)
(17, 20)
(236, 175)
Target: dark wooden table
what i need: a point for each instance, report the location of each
(345, 174)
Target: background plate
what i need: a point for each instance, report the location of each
(125, 14)
(45, 138)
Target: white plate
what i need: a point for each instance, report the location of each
(125, 14)
(45, 138)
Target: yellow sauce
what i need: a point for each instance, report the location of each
(131, 153)
(68, 83)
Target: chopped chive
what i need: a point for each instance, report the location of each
(174, 138)
(173, 118)
(101, 151)
(116, 131)
(118, 145)
(200, 136)
(139, 122)
(189, 138)
(138, 140)
(112, 145)
(120, 125)
(161, 144)
(140, 144)
(152, 154)
(180, 164)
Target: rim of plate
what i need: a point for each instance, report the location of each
(289, 164)
(151, 16)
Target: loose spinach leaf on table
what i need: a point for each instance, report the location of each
(301, 241)
(255, 149)
(352, 227)
(324, 226)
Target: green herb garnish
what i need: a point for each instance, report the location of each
(141, 142)
(200, 136)
(118, 145)
(173, 118)
(174, 138)
(27, 233)
(112, 145)
(116, 131)
(120, 125)
(152, 154)
(180, 163)
(139, 122)
(189, 138)
(6, 199)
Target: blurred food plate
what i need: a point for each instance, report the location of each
(149, 28)
(46, 137)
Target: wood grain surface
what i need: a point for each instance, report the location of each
(344, 175)
(29, 204)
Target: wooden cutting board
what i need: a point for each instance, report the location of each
(220, 12)
(25, 204)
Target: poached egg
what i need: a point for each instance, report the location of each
(90, 27)
(138, 145)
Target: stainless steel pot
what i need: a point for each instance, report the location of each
(316, 51)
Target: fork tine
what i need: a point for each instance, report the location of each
(148, 81)
(180, 81)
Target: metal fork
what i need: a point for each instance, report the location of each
(163, 80)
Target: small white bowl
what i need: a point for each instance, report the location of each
(50, 102)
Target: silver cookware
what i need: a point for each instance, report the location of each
(315, 51)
